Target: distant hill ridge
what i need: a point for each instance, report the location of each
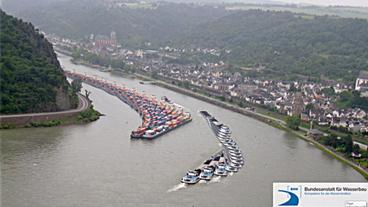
(290, 45)
(31, 79)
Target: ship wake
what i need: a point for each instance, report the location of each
(177, 187)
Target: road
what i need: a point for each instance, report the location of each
(83, 105)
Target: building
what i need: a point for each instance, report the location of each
(298, 104)
(113, 38)
(361, 83)
(102, 41)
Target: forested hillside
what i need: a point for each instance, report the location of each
(289, 43)
(78, 19)
(31, 79)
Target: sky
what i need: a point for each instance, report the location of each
(331, 2)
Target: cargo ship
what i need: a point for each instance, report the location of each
(158, 116)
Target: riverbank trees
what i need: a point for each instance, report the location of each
(293, 122)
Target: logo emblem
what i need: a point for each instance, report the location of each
(293, 198)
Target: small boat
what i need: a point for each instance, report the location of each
(237, 162)
(164, 98)
(223, 135)
(234, 153)
(220, 169)
(205, 114)
(231, 168)
(232, 156)
(192, 177)
(207, 162)
(225, 130)
(222, 140)
(227, 144)
(233, 147)
(235, 165)
(141, 82)
(230, 141)
(207, 173)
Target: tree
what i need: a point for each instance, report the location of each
(87, 93)
(329, 92)
(293, 122)
(356, 149)
(186, 84)
(348, 142)
(331, 140)
(293, 88)
(309, 107)
(76, 85)
(154, 75)
(348, 99)
(30, 74)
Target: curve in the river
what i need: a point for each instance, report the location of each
(158, 116)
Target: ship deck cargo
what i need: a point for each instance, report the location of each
(158, 116)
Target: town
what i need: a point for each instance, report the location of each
(314, 102)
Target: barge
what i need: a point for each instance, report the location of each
(207, 170)
(230, 159)
(234, 156)
(158, 116)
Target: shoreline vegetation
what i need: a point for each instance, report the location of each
(83, 117)
(270, 120)
(86, 116)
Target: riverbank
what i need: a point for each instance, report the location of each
(280, 124)
(82, 62)
(84, 113)
(275, 122)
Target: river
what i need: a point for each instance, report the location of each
(97, 164)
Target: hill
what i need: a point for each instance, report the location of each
(288, 43)
(30, 75)
(134, 25)
(341, 11)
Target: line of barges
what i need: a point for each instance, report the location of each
(228, 160)
(158, 116)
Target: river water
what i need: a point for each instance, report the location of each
(97, 164)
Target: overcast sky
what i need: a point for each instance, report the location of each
(331, 2)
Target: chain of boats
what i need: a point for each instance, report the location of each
(228, 160)
(158, 116)
(162, 116)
